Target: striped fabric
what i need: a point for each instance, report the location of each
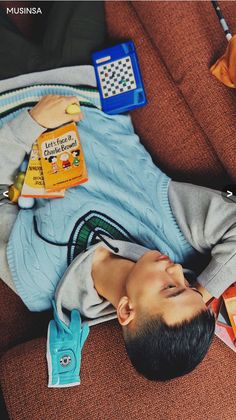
(14, 101)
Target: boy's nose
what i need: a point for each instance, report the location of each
(176, 271)
(175, 268)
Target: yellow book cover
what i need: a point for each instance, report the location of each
(62, 158)
(34, 181)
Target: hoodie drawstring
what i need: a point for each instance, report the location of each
(97, 234)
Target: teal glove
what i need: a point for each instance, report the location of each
(64, 346)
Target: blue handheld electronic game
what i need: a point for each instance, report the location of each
(119, 78)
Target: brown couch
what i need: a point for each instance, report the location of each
(189, 126)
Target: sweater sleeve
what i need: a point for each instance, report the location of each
(16, 139)
(209, 224)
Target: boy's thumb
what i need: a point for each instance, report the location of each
(77, 117)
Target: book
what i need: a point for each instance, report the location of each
(229, 297)
(225, 317)
(34, 180)
(62, 158)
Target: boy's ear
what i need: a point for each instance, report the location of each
(125, 312)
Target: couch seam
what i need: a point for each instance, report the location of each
(212, 149)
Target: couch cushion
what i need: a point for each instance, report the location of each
(17, 324)
(188, 124)
(111, 389)
(188, 50)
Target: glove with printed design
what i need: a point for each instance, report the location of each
(64, 346)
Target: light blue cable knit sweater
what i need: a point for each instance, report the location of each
(125, 198)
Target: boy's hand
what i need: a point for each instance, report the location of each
(50, 111)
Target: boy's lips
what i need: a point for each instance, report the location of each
(163, 257)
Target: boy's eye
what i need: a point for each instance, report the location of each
(170, 286)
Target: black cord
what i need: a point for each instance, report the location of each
(97, 234)
(45, 239)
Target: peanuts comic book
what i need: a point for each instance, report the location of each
(224, 309)
(62, 158)
(34, 179)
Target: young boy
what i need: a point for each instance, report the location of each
(115, 245)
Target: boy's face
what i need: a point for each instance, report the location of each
(157, 286)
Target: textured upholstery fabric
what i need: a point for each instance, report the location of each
(189, 127)
(17, 324)
(110, 389)
(189, 123)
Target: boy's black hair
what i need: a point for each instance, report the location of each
(161, 352)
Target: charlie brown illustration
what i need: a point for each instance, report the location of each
(65, 161)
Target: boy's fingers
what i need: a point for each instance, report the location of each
(71, 99)
(79, 116)
(75, 117)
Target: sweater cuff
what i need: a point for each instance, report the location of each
(216, 278)
(25, 130)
